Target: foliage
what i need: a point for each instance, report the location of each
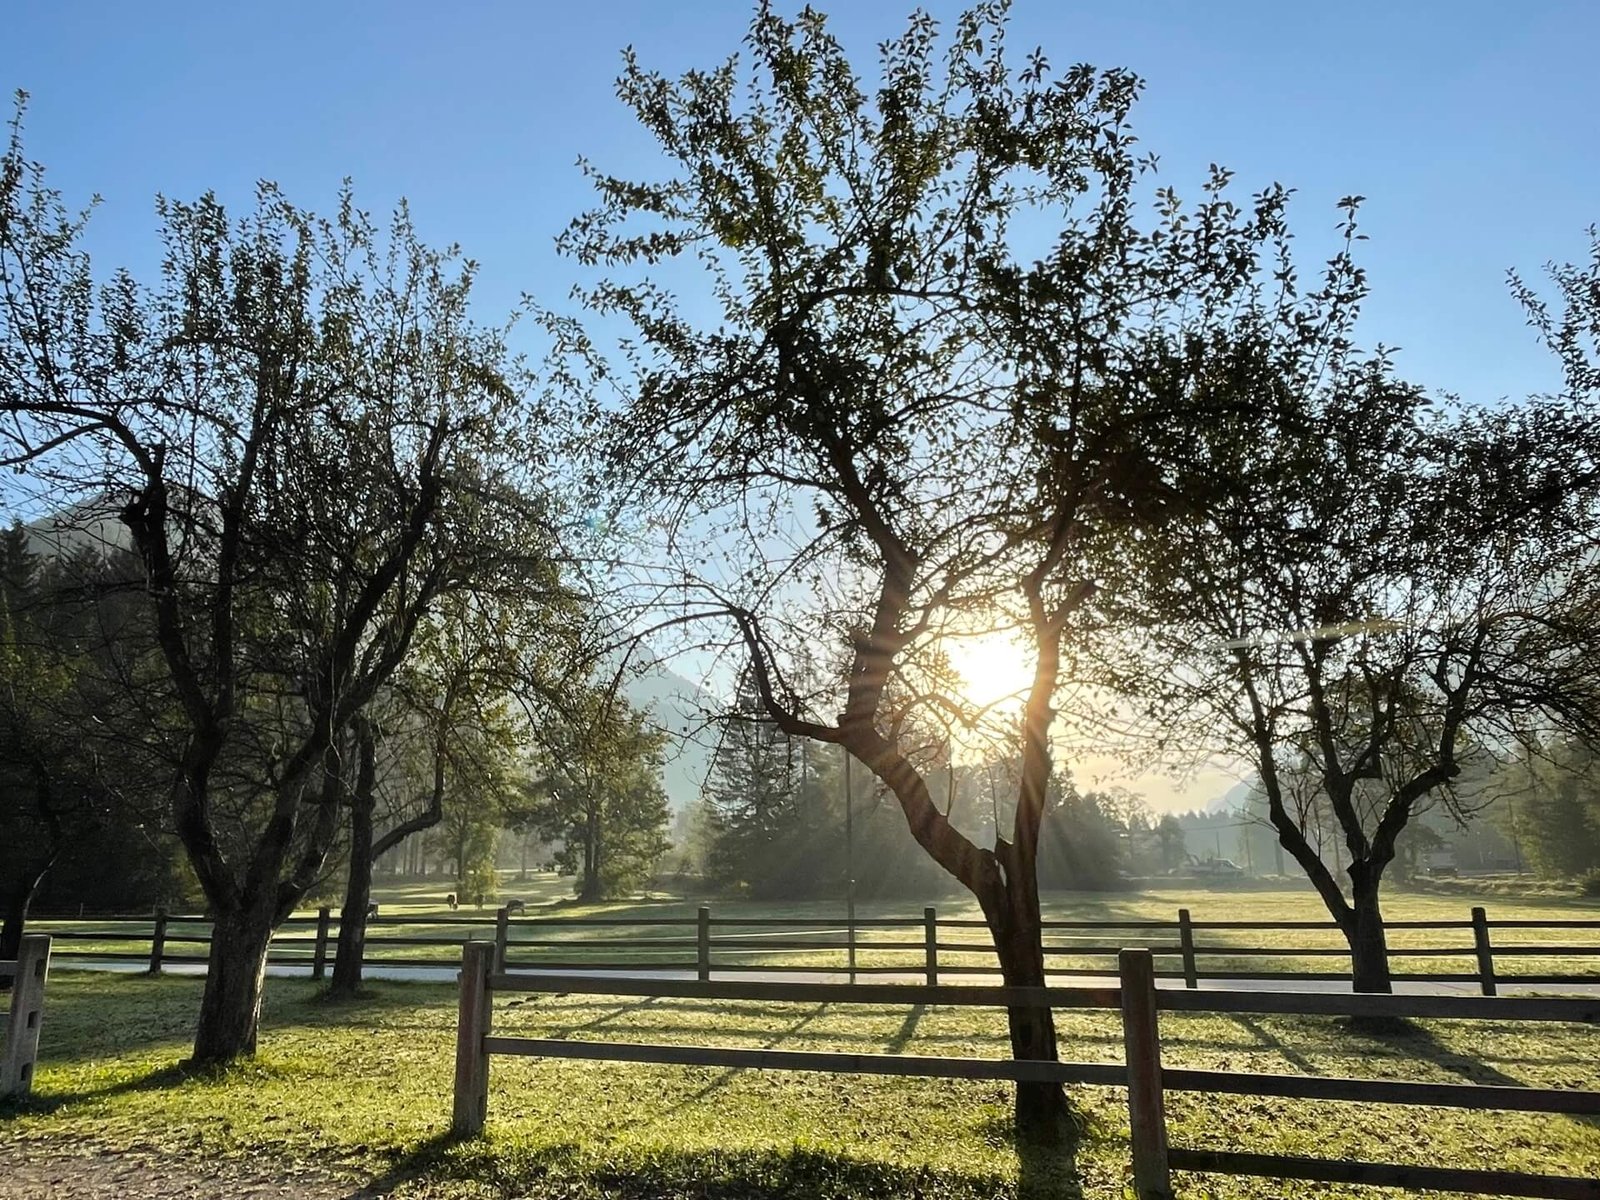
(947, 355)
(1549, 798)
(80, 826)
(775, 822)
(1367, 592)
(596, 787)
(308, 443)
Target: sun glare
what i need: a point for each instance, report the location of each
(995, 670)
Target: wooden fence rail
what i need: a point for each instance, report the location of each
(1139, 1002)
(934, 948)
(20, 1052)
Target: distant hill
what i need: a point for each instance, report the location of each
(1236, 797)
(89, 525)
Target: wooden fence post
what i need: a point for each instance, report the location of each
(930, 941)
(27, 1011)
(1141, 1039)
(319, 955)
(1480, 939)
(472, 1026)
(1191, 977)
(850, 931)
(703, 943)
(158, 941)
(502, 936)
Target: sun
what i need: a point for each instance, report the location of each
(996, 670)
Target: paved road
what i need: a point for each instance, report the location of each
(1508, 987)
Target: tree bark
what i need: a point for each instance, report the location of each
(365, 851)
(357, 899)
(1042, 1113)
(1369, 943)
(16, 900)
(230, 1009)
(589, 889)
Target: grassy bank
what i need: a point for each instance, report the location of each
(364, 1089)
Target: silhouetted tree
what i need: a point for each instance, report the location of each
(940, 374)
(1365, 594)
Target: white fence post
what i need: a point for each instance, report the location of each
(27, 1013)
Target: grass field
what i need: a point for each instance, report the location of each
(412, 911)
(364, 1089)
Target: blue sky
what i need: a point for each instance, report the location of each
(1470, 126)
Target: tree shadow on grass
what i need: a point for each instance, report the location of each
(907, 1030)
(1045, 1171)
(1273, 1042)
(1410, 1039)
(658, 1174)
(727, 1074)
(43, 1103)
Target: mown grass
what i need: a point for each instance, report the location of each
(417, 911)
(363, 1089)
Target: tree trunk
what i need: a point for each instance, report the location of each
(16, 900)
(230, 1009)
(1042, 1113)
(589, 889)
(1369, 943)
(357, 899)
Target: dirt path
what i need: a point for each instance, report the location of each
(38, 1170)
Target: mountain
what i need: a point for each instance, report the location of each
(685, 711)
(1235, 798)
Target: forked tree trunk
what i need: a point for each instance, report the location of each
(365, 851)
(230, 1008)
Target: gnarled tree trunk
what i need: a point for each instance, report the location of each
(245, 914)
(1042, 1112)
(236, 969)
(352, 943)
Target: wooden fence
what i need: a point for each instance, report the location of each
(1477, 950)
(26, 975)
(1142, 1073)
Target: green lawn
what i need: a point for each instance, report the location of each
(364, 1089)
(418, 911)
